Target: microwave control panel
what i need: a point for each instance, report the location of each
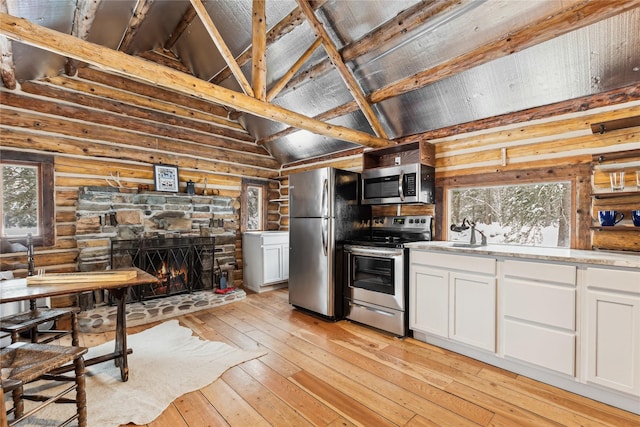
(409, 184)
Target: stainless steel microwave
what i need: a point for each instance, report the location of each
(411, 183)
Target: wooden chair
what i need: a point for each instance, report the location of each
(32, 321)
(27, 362)
(29, 322)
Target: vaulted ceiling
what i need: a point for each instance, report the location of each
(311, 78)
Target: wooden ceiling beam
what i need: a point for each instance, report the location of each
(7, 68)
(343, 70)
(222, 46)
(83, 17)
(576, 15)
(401, 24)
(186, 19)
(280, 84)
(31, 34)
(139, 15)
(340, 111)
(259, 48)
(285, 26)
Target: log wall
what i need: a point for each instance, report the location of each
(104, 130)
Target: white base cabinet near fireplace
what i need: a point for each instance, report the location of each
(265, 259)
(454, 296)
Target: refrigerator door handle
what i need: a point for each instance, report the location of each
(325, 201)
(325, 225)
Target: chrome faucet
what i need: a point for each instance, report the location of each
(473, 235)
(465, 226)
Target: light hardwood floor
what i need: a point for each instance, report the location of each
(342, 374)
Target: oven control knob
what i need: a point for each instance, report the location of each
(410, 220)
(423, 220)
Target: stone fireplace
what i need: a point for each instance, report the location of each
(181, 264)
(175, 235)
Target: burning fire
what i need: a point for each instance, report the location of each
(175, 278)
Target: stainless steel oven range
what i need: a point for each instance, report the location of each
(376, 269)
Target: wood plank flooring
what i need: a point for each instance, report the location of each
(320, 373)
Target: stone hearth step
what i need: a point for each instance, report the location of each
(103, 319)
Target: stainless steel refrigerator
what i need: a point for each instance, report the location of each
(324, 210)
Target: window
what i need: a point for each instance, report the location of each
(26, 188)
(254, 205)
(525, 214)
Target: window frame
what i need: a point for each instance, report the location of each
(46, 216)
(246, 183)
(579, 175)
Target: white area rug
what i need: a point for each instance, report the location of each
(167, 362)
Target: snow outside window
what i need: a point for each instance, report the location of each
(525, 214)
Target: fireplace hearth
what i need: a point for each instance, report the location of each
(181, 264)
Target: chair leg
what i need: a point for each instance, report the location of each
(74, 329)
(18, 402)
(81, 397)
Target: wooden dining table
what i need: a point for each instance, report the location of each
(18, 290)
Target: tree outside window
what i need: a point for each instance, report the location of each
(254, 208)
(19, 200)
(529, 214)
(26, 200)
(253, 205)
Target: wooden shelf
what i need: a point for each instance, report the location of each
(279, 200)
(614, 195)
(615, 228)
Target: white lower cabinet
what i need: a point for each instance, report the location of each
(265, 259)
(539, 314)
(448, 300)
(613, 329)
(573, 325)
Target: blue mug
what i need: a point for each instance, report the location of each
(610, 217)
(635, 215)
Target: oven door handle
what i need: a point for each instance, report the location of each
(375, 252)
(375, 310)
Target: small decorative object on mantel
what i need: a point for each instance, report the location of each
(191, 187)
(166, 178)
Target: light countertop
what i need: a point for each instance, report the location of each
(603, 258)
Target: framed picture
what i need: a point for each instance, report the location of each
(166, 178)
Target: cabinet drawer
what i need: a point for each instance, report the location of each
(612, 279)
(541, 271)
(275, 239)
(541, 303)
(475, 264)
(541, 346)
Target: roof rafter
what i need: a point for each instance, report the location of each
(186, 19)
(277, 87)
(63, 44)
(285, 26)
(222, 46)
(343, 70)
(139, 15)
(83, 17)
